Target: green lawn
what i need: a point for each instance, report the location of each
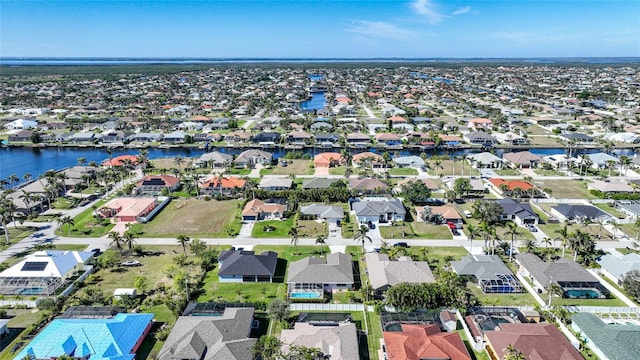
(85, 225)
(448, 169)
(507, 172)
(348, 228)
(196, 218)
(585, 302)
(311, 228)
(402, 171)
(416, 230)
(62, 204)
(566, 189)
(475, 355)
(296, 167)
(215, 291)
(290, 252)
(374, 334)
(15, 235)
(280, 228)
(150, 347)
(611, 210)
(523, 299)
(338, 170)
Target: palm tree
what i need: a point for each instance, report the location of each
(322, 240)
(129, 238)
(116, 240)
(485, 229)
(437, 164)
(28, 199)
(472, 233)
(513, 232)
(293, 232)
(530, 246)
(66, 220)
(547, 241)
(361, 236)
(178, 160)
(511, 353)
(27, 177)
(564, 236)
(13, 179)
(553, 289)
(184, 240)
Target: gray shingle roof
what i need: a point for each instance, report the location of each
(375, 208)
(572, 211)
(563, 270)
(323, 211)
(318, 183)
(335, 269)
(383, 272)
(246, 263)
(223, 337)
(616, 341)
(618, 267)
(483, 267)
(339, 342)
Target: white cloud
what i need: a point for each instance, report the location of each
(428, 10)
(551, 36)
(462, 10)
(379, 29)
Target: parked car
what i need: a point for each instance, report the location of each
(401, 244)
(468, 214)
(455, 232)
(532, 228)
(371, 225)
(130, 263)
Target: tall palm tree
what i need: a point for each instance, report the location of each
(513, 231)
(178, 160)
(361, 236)
(564, 236)
(485, 229)
(129, 237)
(322, 240)
(184, 240)
(116, 240)
(66, 220)
(14, 179)
(5, 214)
(27, 177)
(437, 164)
(293, 232)
(472, 233)
(553, 289)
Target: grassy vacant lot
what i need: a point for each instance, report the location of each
(311, 228)
(566, 189)
(196, 218)
(593, 229)
(338, 170)
(545, 141)
(507, 172)
(416, 230)
(85, 225)
(447, 168)
(402, 171)
(296, 167)
(280, 228)
(524, 299)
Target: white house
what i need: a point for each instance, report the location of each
(21, 124)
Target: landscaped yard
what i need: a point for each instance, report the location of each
(272, 228)
(566, 189)
(507, 172)
(523, 299)
(294, 167)
(415, 230)
(338, 170)
(15, 235)
(447, 168)
(196, 218)
(86, 225)
(311, 228)
(402, 171)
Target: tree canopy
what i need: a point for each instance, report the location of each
(488, 211)
(416, 192)
(631, 283)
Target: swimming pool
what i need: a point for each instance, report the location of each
(491, 322)
(31, 291)
(582, 294)
(305, 295)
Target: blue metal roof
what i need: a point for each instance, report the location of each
(102, 338)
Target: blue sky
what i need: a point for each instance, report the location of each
(320, 29)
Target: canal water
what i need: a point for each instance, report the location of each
(36, 161)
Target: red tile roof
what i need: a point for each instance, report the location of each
(120, 160)
(168, 180)
(511, 185)
(325, 159)
(227, 182)
(417, 342)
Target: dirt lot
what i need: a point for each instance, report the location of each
(196, 218)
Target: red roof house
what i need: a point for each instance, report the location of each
(417, 342)
(534, 341)
(121, 160)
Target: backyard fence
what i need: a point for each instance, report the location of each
(329, 307)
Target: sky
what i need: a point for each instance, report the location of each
(320, 29)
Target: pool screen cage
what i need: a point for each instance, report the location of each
(422, 317)
(24, 285)
(513, 313)
(583, 285)
(503, 284)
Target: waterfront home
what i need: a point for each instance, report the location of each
(21, 124)
(215, 160)
(616, 267)
(384, 273)
(312, 276)
(609, 340)
(115, 137)
(248, 158)
(414, 162)
(488, 272)
(118, 337)
(275, 184)
(222, 185)
(378, 210)
(484, 160)
(298, 137)
(267, 137)
(42, 272)
(145, 137)
(85, 137)
(238, 136)
(388, 139)
(358, 138)
(257, 209)
(176, 137)
(579, 212)
(328, 159)
(578, 138)
(246, 266)
(21, 136)
(450, 140)
(479, 138)
(367, 159)
(522, 159)
(479, 123)
(609, 187)
(326, 139)
(210, 335)
(519, 212)
(575, 281)
(423, 341)
(510, 138)
(331, 214)
(602, 160)
(128, 208)
(367, 185)
(534, 341)
(335, 341)
(154, 184)
(318, 183)
(122, 160)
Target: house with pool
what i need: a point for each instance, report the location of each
(309, 278)
(575, 281)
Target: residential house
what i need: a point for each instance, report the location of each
(608, 340)
(215, 160)
(384, 273)
(238, 136)
(176, 137)
(115, 137)
(257, 209)
(116, 338)
(514, 188)
(331, 214)
(450, 140)
(479, 123)
(478, 188)
(222, 185)
(414, 162)
(578, 212)
(248, 158)
(318, 183)
(419, 342)
(321, 126)
(510, 138)
(21, 136)
(430, 183)
(275, 184)
(367, 159)
(85, 137)
(630, 208)
(122, 160)
(484, 160)
(190, 125)
(312, 276)
(326, 140)
(128, 208)
(358, 138)
(480, 138)
(246, 266)
(379, 211)
(143, 137)
(575, 281)
(336, 341)
(534, 341)
(267, 137)
(153, 185)
(602, 160)
(489, 273)
(578, 138)
(519, 212)
(298, 137)
(447, 211)
(211, 336)
(367, 185)
(522, 159)
(616, 267)
(388, 139)
(610, 187)
(328, 159)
